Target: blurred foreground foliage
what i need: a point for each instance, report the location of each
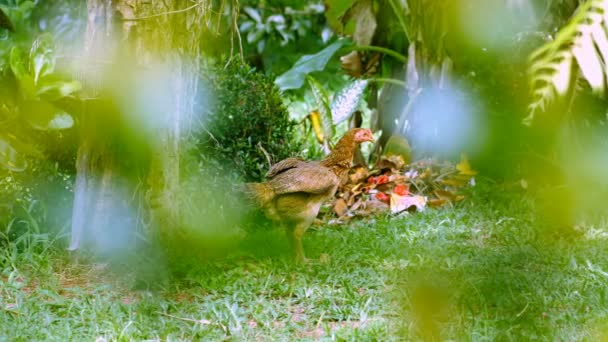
(37, 144)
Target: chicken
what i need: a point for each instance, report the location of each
(295, 189)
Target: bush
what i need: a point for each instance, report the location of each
(246, 121)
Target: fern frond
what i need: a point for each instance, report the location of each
(581, 46)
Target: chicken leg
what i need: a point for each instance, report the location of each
(295, 234)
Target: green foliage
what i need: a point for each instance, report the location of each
(276, 33)
(29, 103)
(582, 45)
(322, 102)
(247, 120)
(29, 19)
(294, 77)
(347, 100)
(330, 111)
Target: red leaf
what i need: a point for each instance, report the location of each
(401, 190)
(381, 179)
(382, 197)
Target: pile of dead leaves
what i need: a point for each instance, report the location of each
(392, 186)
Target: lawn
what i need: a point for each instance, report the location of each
(482, 270)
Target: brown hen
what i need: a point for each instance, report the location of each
(295, 189)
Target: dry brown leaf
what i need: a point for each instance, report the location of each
(454, 182)
(398, 178)
(356, 205)
(351, 200)
(365, 21)
(372, 206)
(444, 194)
(437, 202)
(340, 207)
(372, 65)
(464, 167)
(393, 162)
(351, 64)
(359, 174)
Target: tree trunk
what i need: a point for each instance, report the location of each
(155, 33)
(89, 193)
(170, 34)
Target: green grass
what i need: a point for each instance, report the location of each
(480, 271)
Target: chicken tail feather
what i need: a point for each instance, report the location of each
(261, 193)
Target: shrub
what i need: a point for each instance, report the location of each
(246, 120)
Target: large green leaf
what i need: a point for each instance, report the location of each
(43, 115)
(9, 158)
(346, 101)
(294, 77)
(580, 46)
(322, 100)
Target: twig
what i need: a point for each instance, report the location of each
(236, 29)
(164, 13)
(266, 154)
(211, 135)
(219, 15)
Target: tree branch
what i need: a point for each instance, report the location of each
(164, 13)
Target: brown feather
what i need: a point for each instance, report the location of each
(295, 189)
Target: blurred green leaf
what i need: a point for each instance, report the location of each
(61, 121)
(5, 21)
(42, 56)
(43, 115)
(19, 69)
(335, 11)
(59, 89)
(294, 77)
(246, 26)
(27, 6)
(17, 63)
(346, 101)
(253, 13)
(254, 36)
(21, 144)
(9, 158)
(322, 99)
